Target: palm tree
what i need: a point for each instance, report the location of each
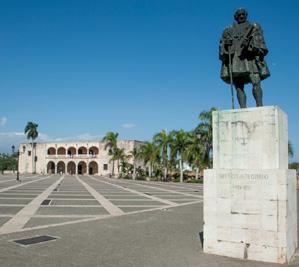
(120, 156)
(110, 140)
(32, 133)
(178, 142)
(149, 152)
(290, 149)
(135, 154)
(194, 152)
(204, 132)
(162, 140)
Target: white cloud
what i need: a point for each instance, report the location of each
(10, 138)
(82, 136)
(7, 139)
(128, 125)
(88, 136)
(3, 121)
(43, 137)
(18, 133)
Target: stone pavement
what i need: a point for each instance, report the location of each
(104, 222)
(39, 202)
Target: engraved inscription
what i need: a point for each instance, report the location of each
(243, 182)
(251, 178)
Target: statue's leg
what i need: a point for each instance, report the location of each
(241, 94)
(256, 89)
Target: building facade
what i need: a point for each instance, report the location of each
(75, 157)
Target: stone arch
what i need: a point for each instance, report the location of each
(82, 167)
(51, 167)
(60, 167)
(51, 151)
(93, 168)
(71, 151)
(61, 151)
(71, 168)
(93, 150)
(82, 150)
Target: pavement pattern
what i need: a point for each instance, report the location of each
(106, 223)
(41, 202)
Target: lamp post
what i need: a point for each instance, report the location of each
(12, 155)
(18, 154)
(18, 174)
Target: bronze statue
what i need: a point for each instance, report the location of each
(242, 50)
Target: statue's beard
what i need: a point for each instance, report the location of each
(241, 20)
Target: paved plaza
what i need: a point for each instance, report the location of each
(39, 202)
(104, 222)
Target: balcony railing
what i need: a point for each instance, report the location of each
(75, 156)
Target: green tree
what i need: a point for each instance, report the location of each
(127, 168)
(178, 143)
(120, 157)
(204, 131)
(194, 152)
(290, 149)
(32, 133)
(110, 140)
(8, 162)
(135, 154)
(162, 140)
(294, 165)
(149, 152)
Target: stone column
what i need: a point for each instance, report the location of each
(250, 198)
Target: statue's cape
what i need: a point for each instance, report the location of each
(245, 59)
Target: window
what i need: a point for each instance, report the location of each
(105, 167)
(35, 158)
(29, 153)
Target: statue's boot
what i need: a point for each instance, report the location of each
(258, 95)
(241, 96)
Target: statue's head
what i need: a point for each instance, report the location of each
(240, 15)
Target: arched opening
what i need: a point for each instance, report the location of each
(60, 167)
(82, 150)
(51, 151)
(51, 167)
(71, 168)
(93, 151)
(93, 168)
(82, 168)
(71, 151)
(61, 151)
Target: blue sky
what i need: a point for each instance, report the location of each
(82, 68)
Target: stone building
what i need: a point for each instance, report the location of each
(74, 157)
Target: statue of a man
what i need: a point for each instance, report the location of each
(242, 50)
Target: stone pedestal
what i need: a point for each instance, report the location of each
(250, 199)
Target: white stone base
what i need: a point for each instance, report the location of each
(250, 214)
(250, 138)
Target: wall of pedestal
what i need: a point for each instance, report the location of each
(250, 197)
